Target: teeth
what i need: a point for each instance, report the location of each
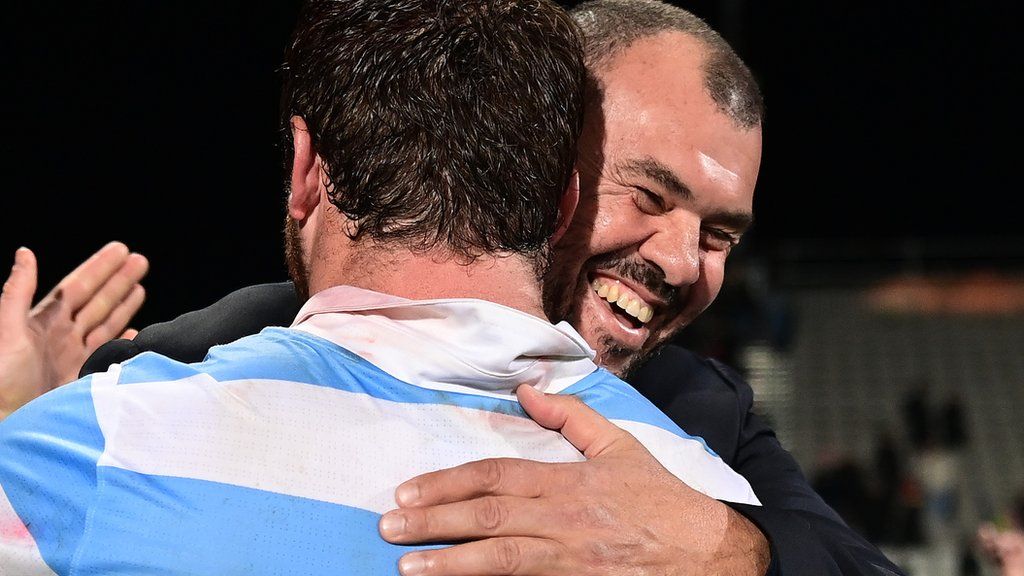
(621, 298)
(633, 309)
(613, 293)
(645, 315)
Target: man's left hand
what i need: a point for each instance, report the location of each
(618, 512)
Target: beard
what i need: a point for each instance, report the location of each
(564, 295)
(293, 258)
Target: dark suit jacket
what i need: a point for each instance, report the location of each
(702, 396)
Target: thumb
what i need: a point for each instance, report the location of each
(19, 288)
(591, 433)
(129, 334)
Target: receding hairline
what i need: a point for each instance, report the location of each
(611, 27)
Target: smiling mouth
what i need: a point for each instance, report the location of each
(625, 303)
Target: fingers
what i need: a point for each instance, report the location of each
(78, 287)
(494, 476)
(591, 433)
(116, 321)
(506, 556)
(19, 288)
(129, 334)
(477, 518)
(114, 289)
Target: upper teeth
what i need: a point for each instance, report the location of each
(617, 294)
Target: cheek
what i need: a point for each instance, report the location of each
(618, 223)
(712, 276)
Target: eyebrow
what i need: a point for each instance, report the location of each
(648, 167)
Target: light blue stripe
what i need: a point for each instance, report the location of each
(166, 525)
(617, 400)
(48, 454)
(297, 356)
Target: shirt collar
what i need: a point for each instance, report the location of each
(457, 344)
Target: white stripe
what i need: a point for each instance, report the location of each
(679, 455)
(316, 442)
(19, 555)
(303, 440)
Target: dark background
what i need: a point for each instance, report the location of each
(155, 123)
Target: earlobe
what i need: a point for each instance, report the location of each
(567, 207)
(306, 172)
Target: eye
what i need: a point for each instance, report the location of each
(647, 201)
(716, 239)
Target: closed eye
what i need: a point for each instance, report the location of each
(716, 239)
(647, 201)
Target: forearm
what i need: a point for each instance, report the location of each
(745, 549)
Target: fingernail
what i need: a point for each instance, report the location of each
(407, 494)
(392, 524)
(412, 565)
(527, 389)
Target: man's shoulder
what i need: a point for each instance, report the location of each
(243, 312)
(681, 450)
(676, 371)
(188, 337)
(704, 396)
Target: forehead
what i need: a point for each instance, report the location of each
(655, 106)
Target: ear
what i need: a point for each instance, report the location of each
(306, 173)
(567, 207)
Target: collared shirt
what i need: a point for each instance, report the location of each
(279, 452)
(475, 346)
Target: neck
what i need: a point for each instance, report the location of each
(508, 280)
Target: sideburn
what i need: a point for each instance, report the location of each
(293, 258)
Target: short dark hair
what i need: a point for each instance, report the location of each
(611, 26)
(440, 122)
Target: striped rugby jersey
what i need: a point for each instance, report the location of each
(280, 451)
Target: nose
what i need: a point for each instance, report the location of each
(675, 248)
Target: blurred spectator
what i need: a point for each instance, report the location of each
(897, 498)
(952, 422)
(916, 415)
(938, 468)
(841, 482)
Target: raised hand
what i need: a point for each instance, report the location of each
(43, 346)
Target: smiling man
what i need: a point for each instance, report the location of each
(668, 161)
(668, 167)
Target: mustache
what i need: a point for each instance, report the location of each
(641, 272)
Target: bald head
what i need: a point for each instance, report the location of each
(611, 26)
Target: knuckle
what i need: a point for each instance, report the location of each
(102, 304)
(74, 287)
(491, 514)
(417, 522)
(608, 548)
(490, 475)
(598, 554)
(508, 557)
